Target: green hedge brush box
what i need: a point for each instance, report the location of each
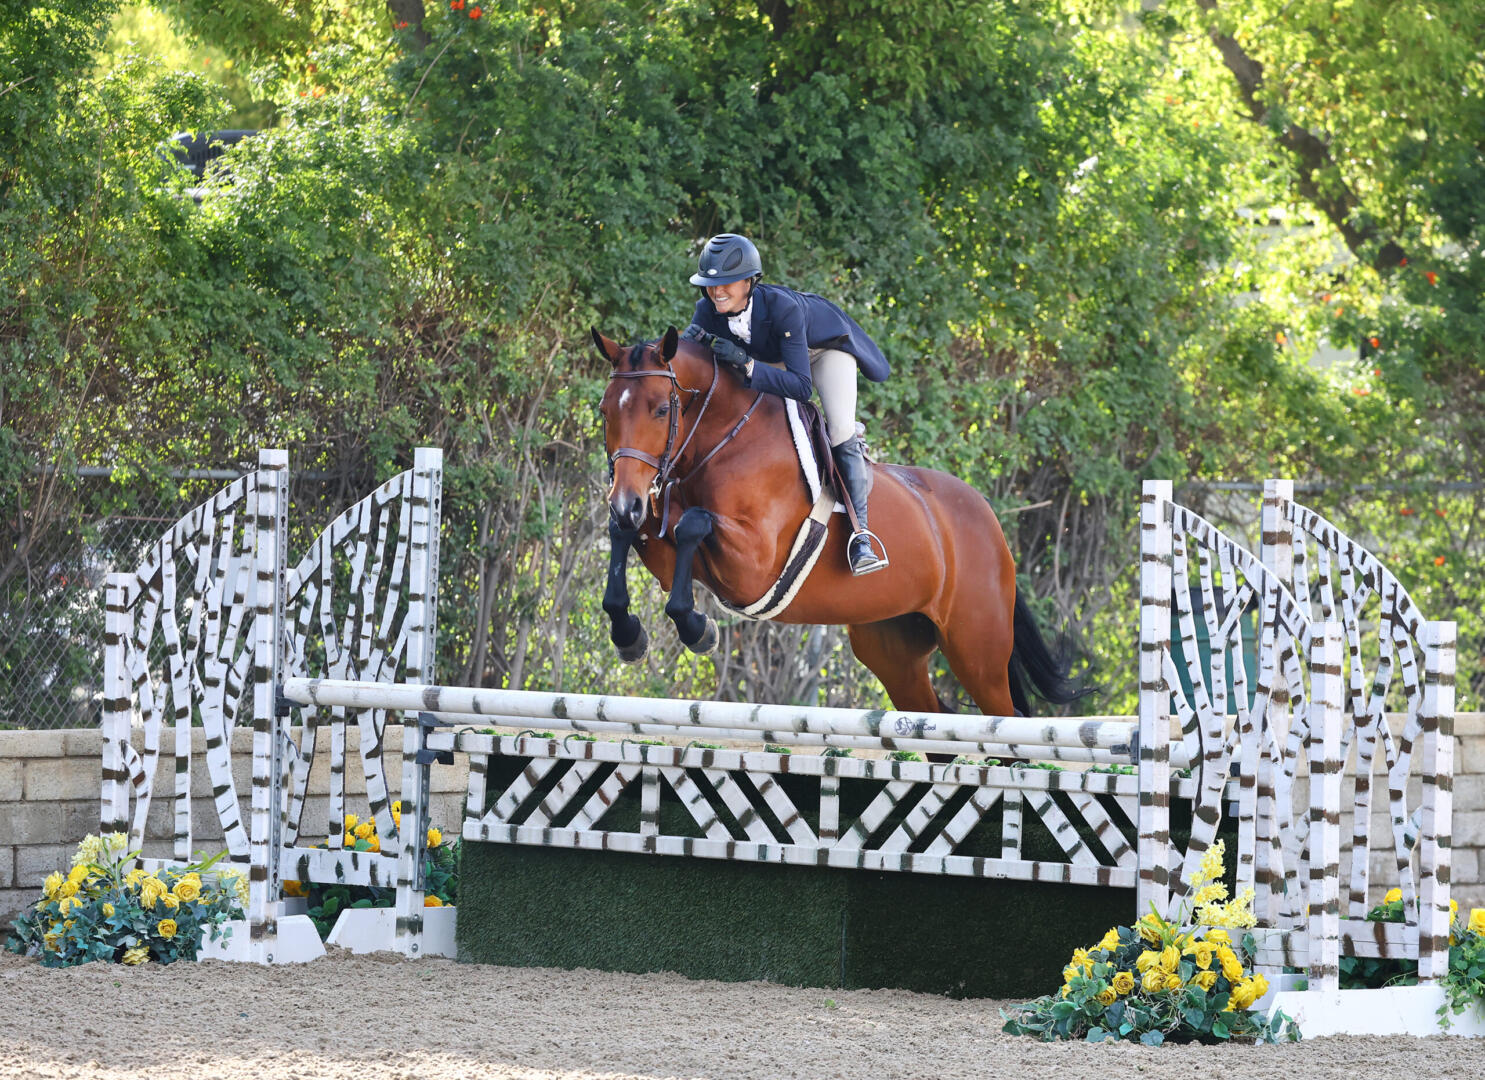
(795, 925)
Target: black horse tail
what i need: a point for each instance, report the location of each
(1043, 667)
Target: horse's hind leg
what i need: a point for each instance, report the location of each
(976, 640)
(897, 651)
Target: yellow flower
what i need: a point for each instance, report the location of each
(1110, 941)
(364, 830)
(1069, 973)
(135, 876)
(151, 889)
(1392, 897)
(51, 885)
(1080, 958)
(68, 888)
(1260, 985)
(1218, 936)
(1232, 968)
(293, 888)
(78, 874)
(1210, 894)
(1154, 981)
(1170, 958)
(139, 954)
(115, 841)
(1173, 981)
(108, 910)
(1107, 996)
(170, 900)
(89, 851)
(51, 941)
(1123, 982)
(1205, 979)
(1453, 909)
(67, 903)
(397, 807)
(166, 928)
(375, 844)
(432, 901)
(1147, 961)
(350, 822)
(434, 837)
(187, 890)
(1211, 864)
(1201, 952)
(1477, 920)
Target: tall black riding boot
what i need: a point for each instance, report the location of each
(852, 466)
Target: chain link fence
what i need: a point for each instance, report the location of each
(77, 528)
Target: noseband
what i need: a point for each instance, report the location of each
(665, 464)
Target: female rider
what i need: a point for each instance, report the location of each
(751, 326)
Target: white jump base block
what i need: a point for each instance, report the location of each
(298, 942)
(367, 930)
(1392, 1010)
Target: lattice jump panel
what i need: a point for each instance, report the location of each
(1393, 659)
(361, 605)
(1240, 707)
(179, 650)
(803, 809)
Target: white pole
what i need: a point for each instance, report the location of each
(1101, 732)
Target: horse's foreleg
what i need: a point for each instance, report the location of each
(625, 632)
(698, 631)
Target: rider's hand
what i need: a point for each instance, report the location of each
(730, 353)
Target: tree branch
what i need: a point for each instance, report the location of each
(1312, 156)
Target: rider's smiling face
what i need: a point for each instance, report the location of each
(731, 298)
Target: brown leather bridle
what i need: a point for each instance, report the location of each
(665, 464)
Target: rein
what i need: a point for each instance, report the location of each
(665, 464)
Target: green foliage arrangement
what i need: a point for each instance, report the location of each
(107, 909)
(1464, 983)
(1162, 981)
(327, 901)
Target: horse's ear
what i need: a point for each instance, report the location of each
(667, 346)
(610, 349)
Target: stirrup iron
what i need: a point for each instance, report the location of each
(877, 562)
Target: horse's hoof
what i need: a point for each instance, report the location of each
(635, 651)
(707, 642)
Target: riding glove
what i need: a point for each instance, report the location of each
(730, 353)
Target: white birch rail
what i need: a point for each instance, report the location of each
(1030, 751)
(1100, 732)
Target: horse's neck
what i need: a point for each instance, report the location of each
(713, 420)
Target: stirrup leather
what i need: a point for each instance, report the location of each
(876, 563)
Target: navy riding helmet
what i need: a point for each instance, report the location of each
(726, 258)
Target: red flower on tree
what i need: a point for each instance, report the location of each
(1375, 343)
(456, 5)
(1407, 511)
(475, 12)
(1433, 279)
(1438, 560)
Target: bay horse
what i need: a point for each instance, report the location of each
(688, 440)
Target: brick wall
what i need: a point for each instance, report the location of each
(50, 799)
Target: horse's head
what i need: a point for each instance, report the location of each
(641, 417)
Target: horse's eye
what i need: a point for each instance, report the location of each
(663, 410)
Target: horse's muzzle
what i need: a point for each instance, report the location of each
(628, 510)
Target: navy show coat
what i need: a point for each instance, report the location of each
(786, 326)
